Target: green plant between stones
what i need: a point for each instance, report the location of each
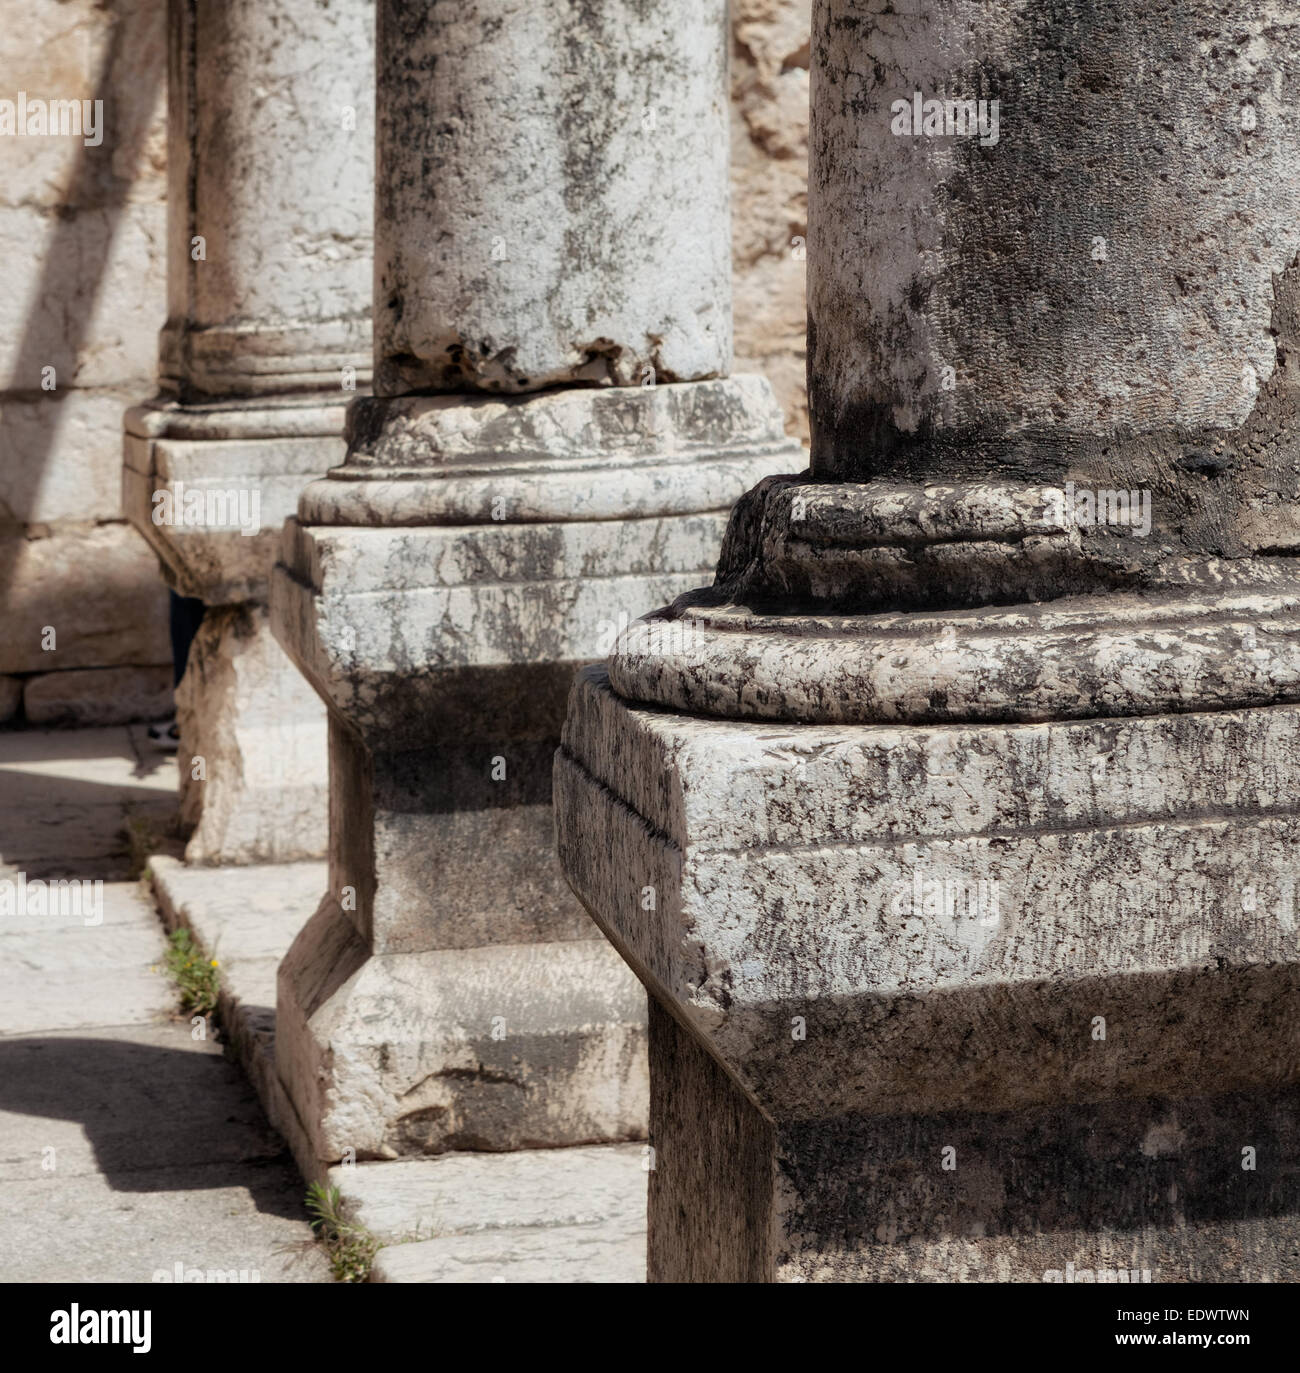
(197, 976)
(351, 1248)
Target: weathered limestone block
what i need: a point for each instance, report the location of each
(606, 130)
(63, 456)
(808, 887)
(85, 697)
(80, 50)
(506, 1046)
(210, 486)
(97, 589)
(1123, 1190)
(94, 319)
(252, 741)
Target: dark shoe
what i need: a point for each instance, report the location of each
(165, 735)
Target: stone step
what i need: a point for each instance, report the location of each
(608, 1252)
(247, 917)
(465, 1193)
(543, 1215)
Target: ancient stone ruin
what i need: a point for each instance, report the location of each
(614, 841)
(949, 829)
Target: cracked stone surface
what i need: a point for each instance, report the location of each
(510, 1046)
(260, 731)
(511, 262)
(1139, 871)
(599, 1253)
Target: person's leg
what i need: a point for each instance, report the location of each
(186, 616)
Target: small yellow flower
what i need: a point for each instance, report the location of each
(215, 964)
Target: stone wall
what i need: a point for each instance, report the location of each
(769, 193)
(83, 234)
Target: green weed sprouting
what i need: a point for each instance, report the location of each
(351, 1248)
(196, 975)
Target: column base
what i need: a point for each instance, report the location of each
(955, 1001)
(210, 486)
(1147, 1190)
(439, 591)
(257, 733)
(512, 1046)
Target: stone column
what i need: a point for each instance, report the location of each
(551, 450)
(270, 158)
(966, 795)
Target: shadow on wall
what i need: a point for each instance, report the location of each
(87, 581)
(79, 238)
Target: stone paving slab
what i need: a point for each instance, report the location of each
(75, 976)
(608, 1252)
(161, 1153)
(246, 918)
(219, 1216)
(78, 840)
(536, 1216)
(250, 916)
(60, 973)
(124, 904)
(116, 755)
(66, 797)
(457, 1194)
(245, 915)
(124, 1101)
(79, 948)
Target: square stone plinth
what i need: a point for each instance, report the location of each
(868, 944)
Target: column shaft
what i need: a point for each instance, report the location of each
(269, 266)
(552, 195)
